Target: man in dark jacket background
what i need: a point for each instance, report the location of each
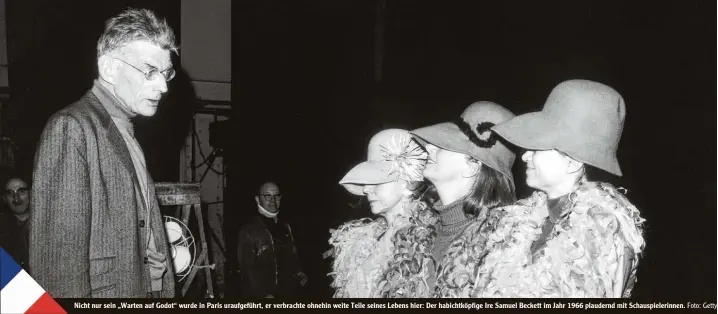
(267, 257)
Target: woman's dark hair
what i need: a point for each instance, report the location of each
(422, 190)
(430, 196)
(491, 189)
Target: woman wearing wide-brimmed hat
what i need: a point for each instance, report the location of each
(573, 237)
(392, 181)
(471, 171)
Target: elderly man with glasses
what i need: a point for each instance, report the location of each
(96, 230)
(267, 256)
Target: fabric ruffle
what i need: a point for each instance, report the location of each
(412, 265)
(355, 248)
(361, 258)
(582, 254)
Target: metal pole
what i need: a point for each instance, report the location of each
(194, 132)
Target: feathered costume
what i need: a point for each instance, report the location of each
(359, 258)
(363, 249)
(582, 257)
(412, 265)
(456, 270)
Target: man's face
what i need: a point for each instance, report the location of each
(17, 196)
(140, 95)
(269, 197)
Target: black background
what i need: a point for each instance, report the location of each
(306, 102)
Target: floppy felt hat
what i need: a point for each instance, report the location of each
(471, 135)
(392, 155)
(581, 118)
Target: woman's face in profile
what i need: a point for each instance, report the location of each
(545, 169)
(383, 197)
(445, 165)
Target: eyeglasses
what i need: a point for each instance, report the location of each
(20, 191)
(153, 72)
(269, 197)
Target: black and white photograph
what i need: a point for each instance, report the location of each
(161, 153)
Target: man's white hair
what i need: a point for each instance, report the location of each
(133, 25)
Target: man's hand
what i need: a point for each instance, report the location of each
(157, 264)
(302, 279)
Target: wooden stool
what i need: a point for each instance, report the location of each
(186, 196)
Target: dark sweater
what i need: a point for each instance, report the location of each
(451, 225)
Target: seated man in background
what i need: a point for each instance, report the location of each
(267, 258)
(14, 231)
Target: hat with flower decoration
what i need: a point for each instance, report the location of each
(392, 155)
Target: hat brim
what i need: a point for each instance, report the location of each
(367, 173)
(530, 131)
(449, 137)
(445, 136)
(534, 131)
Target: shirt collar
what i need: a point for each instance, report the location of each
(113, 105)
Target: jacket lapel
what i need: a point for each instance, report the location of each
(120, 147)
(161, 243)
(117, 142)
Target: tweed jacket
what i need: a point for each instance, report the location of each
(88, 234)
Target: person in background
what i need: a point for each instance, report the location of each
(470, 169)
(573, 238)
(268, 262)
(14, 228)
(96, 230)
(365, 258)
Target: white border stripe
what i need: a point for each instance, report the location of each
(20, 294)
